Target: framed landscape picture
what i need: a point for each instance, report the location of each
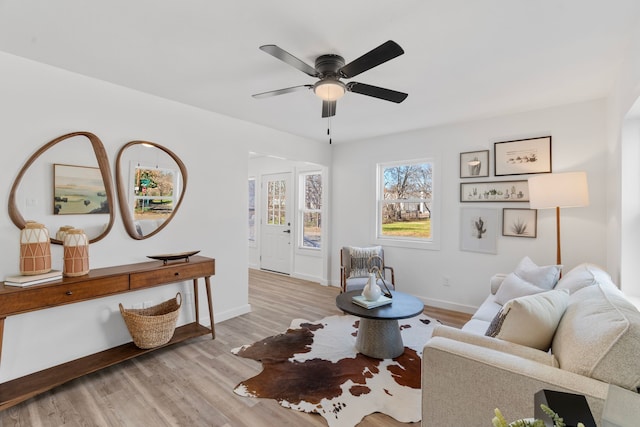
(523, 156)
(520, 222)
(479, 230)
(78, 190)
(474, 164)
(495, 191)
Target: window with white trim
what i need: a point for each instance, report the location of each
(310, 210)
(405, 200)
(252, 212)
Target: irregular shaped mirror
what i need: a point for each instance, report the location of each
(66, 184)
(151, 183)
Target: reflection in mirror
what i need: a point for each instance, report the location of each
(33, 194)
(151, 184)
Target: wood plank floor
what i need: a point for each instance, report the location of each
(191, 384)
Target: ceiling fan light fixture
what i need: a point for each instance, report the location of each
(329, 89)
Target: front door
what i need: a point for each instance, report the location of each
(275, 249)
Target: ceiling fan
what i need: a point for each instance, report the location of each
(330, 68)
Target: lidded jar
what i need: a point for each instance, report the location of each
(76, 253)
(62, 231)
(35, 249)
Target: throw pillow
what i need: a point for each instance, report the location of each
(531, 320)
(514, 287)
(360, 260)
(544, 277)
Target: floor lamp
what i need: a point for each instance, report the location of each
(558, 190)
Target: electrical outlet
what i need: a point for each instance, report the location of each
(445, 281)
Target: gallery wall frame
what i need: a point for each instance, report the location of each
(479, 230)
(522, 156)
(474, 164)
(495, 191)
(520, 222)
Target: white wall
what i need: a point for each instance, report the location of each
(622, 250)
(578, 143)
(39, 103)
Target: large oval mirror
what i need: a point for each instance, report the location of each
(66, 184)
(151, 183)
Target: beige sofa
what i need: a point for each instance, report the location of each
(466, 375)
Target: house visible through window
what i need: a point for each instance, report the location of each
(310, 210)
(405, 197)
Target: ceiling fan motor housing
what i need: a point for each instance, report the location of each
(328, 65)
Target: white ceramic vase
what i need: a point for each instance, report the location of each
(372, 291)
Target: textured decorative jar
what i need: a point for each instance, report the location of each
(62, 231)
(35, 249)
(76, 253)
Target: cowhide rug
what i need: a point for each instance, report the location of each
(315, 367)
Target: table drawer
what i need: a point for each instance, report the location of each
(53, 295)
(171, 274)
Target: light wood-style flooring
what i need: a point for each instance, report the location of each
(191, 384)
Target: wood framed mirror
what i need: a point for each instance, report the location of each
(82, 203)
(151, 181)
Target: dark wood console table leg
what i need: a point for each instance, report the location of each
(195, 297)
(208, 285)
(1, 334)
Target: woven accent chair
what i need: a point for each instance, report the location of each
(355, 264)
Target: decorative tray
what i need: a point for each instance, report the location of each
(172, 257)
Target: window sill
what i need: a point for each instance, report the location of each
(431, 245)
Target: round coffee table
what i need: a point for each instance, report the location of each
(379, 332)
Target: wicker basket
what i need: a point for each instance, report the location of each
(153, 326)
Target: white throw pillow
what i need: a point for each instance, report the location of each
(514, 287)
(531, 320)
(360, 260)
(544, 277)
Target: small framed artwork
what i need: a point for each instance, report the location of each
(474, 164)
(520, 222)
(523, 156)
(479, 230)
(495, 191)
(78, 190)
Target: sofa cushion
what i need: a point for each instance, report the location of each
(514, 286)
(359, 260)
(530, 320)
(584, 275)
(599, 336)
(544, 277)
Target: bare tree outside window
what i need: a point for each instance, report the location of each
(405, 202)
(311, 210)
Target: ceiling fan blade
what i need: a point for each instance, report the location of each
(383, 53)
(377, 92)
(285, 56)
(328, 108)
(281, 91)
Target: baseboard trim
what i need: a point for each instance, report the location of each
(447, 305)
(234, 312)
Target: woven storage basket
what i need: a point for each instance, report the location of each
(152, 326)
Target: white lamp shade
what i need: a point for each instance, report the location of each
(564, 190)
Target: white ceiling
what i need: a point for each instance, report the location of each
(464, 59)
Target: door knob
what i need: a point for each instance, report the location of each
(287, 231)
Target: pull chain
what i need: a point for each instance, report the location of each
(329, 129)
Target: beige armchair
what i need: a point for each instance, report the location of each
(357, 262)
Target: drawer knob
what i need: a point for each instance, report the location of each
(176, 273)
(69, 293)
